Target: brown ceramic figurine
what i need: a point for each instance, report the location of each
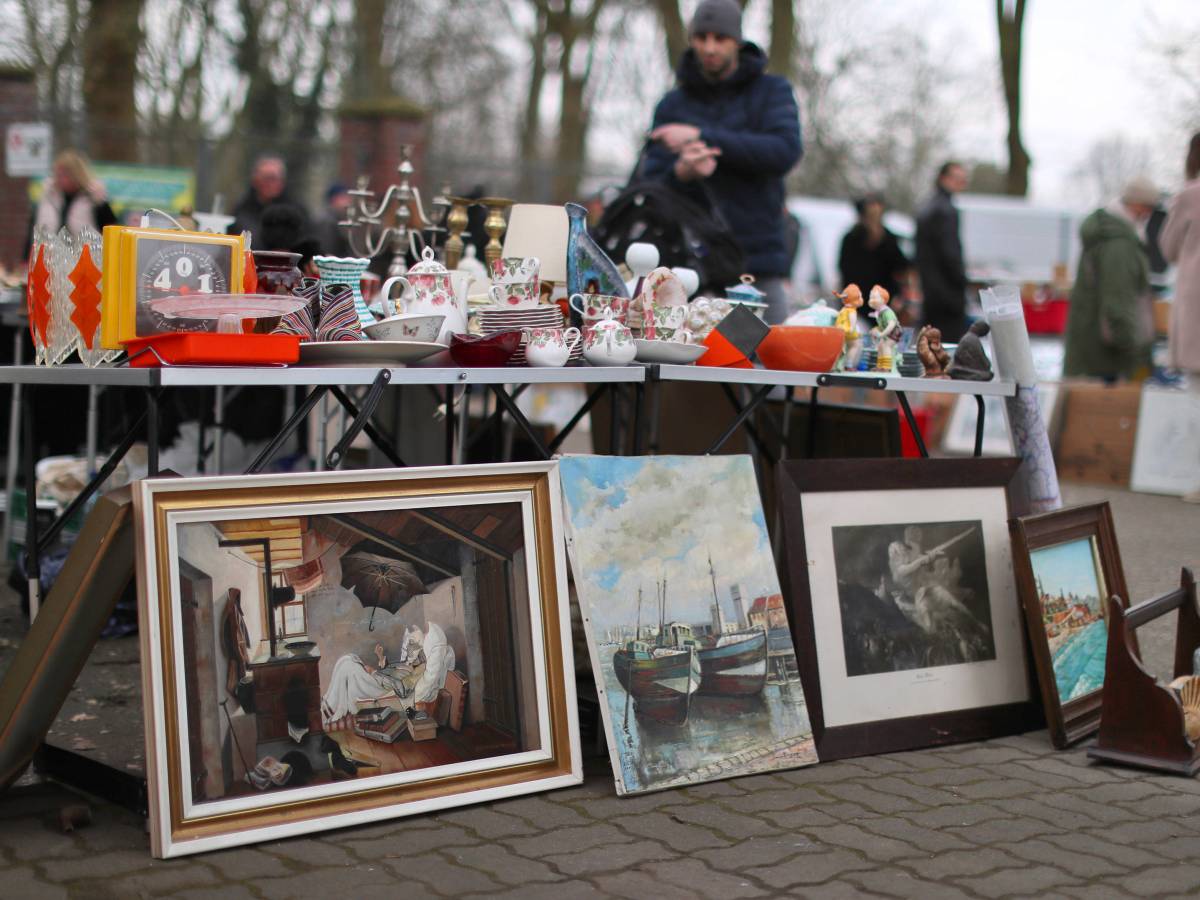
(929, 349)
(970, 361)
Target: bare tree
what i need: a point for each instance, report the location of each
(111, 42)
(1108, 165)
(1010, 17)
(50, 37)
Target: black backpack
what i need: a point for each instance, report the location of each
(685, 233)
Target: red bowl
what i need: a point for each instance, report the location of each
(801, 348)
(473, 351)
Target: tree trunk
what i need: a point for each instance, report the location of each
(530, 138)
(111, 42)
(370, 77)
(1010, 15)
(781, 58)
(572, 132)
(674, 29)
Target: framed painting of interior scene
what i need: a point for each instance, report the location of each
(1067, 565)
(904, 608)
(328, 649)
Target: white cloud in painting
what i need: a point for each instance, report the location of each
(634, 520)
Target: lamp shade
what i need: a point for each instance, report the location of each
(536, 229)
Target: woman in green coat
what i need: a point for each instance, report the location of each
(1110, 327)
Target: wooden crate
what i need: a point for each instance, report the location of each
(1098, 432)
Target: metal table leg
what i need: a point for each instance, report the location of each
(152, 396)
(14, 439)
(979, 424)
(518, 417)
(382, 441)
(33, 559)
(756, 400)
(912, 423)
(810, 444)
(594, 396)
(293, 422)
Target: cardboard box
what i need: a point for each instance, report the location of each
(1162, 317)
(1098, 432)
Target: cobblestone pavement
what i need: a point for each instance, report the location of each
(1003, 818)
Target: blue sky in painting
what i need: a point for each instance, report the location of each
(1069, 568)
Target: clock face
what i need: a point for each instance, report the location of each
(168, 267)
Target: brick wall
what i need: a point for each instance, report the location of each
(372, 133)
(18, 103)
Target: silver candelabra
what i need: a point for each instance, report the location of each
(365, 226)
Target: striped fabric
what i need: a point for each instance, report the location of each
(339, 317)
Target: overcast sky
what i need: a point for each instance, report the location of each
(1086, 75)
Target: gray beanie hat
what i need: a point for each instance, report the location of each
(723, 17)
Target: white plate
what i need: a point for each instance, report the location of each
(366, 353)
(668, 352)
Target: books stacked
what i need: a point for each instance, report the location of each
(379, 723)
(421, 726)
(269, 772)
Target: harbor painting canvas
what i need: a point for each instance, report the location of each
(1070, 590)
(689, 639)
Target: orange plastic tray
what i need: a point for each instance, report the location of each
(183, 348)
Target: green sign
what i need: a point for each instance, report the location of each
(134, 188)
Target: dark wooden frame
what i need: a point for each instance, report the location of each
(1068, 722)
(909, 732)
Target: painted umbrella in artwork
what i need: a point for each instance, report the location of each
(380, 582)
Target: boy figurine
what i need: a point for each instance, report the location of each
(887, 328)
(847, 320)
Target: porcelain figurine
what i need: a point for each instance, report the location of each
(609, 343)
(589, 270)
(550, 346)
(641, 259)
(931, 353)
(970, 361)
(847, 321)
(887, 328)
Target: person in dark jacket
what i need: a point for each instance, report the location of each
(1110, 329)
(940, 256)
(870, 253)
(726, 136)
(268, 186)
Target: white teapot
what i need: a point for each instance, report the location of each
(609, 343)
(432, 289)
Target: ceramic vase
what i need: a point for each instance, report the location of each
(278, 271)
(346, 270)
(589, 270)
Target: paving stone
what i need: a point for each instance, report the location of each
(608, 858)
(36, 843)
(367, 881)
(439, 872)
(790, 796)
(315, 853)
(1038, 880)
(955, 863)
(1084, 865)
(638, 884)
(722, 820)
(898, 883)
(224, 892)
(699, 880)
(395, 841)
(863, 795)
(488, 823)
(606, 807)
(178, 876)
(1161, 806)
(981, 754)
(1123, 792)
(98, 865)
(24, 884)
(566, 890)
(825, 773)
(502, 864)
(542, 813)
(913, 760)
(997, 788)
(885, 765)
(998, 830)
(946, 777)
(874, 846)
(1159, 880)
(1095, 892)
(1125, 855)
(568, 840)
(949, 816)
(667, 828)
(1052, 813)
(921, 794)
(712, 789)
(836, 890)
(798, 819)
(753, 854)
(1144, 833)
(812, 869)
(245, 863)
(922, 838)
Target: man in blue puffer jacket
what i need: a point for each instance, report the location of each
(726, 137)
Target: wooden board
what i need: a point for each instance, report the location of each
(1098, 432)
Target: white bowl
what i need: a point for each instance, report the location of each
(406, 327)
(668, 352)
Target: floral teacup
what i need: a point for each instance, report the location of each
(591, 307)
(662, 323)
(511, 269)
(550, 346)
(516, 294)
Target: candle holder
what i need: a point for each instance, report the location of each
(456, 223)
(494, 225)
(364, 224)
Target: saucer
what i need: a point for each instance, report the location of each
(668, 352)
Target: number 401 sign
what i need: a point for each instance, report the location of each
(151, 264)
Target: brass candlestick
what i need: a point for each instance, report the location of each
(456, 224)
(494, 225)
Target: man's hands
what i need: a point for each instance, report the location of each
(696, 160)
(675, 136)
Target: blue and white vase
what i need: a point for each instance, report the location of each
(589, 270)
(346, 270)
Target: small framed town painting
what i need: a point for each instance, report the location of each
(905, 614)
(1067, 566)
(328, 649)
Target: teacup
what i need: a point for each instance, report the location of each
(516, 294)
(661, 322)
(550, 346)
(515, 269)
(592, 307)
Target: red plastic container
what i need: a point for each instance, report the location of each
(908, 444)
(1047, 317)
(184, 348)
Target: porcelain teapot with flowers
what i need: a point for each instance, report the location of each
(430, 289)
(609, 343)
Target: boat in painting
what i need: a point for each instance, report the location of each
(660, 680)
(735, 665)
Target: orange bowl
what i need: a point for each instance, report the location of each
(801, 348)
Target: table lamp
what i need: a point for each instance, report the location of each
(536, 229)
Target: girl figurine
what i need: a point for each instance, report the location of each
(847, 320)
(887, 328)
